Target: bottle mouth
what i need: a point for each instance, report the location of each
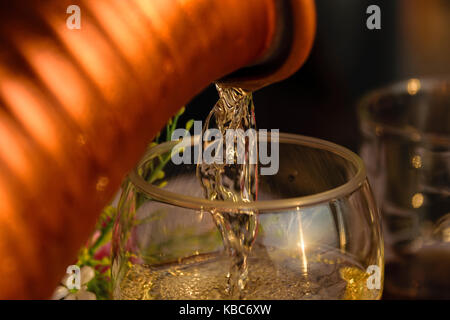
(290, 46)
(355, 181)
(278, 52)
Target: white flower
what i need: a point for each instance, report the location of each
(63, 293)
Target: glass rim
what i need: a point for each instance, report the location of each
(427, 84)
(201, 204)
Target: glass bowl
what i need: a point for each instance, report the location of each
(406, 147)
(318, 230)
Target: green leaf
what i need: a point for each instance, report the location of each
(189, 124)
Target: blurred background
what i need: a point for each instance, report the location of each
(347, 61)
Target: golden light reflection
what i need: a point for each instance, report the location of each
(102, 182)
(301, 242)
(417, 200)
(62, 78)
(95, 56)
(446, 235)
(121, 32)
(200, 216)
(416, 161)
(413, 86)
(29, 108)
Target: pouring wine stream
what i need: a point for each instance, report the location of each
(233, 178)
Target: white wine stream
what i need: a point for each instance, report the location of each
(233, 179)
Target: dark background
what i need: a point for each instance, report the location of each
(347, 61)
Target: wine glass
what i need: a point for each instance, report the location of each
(406, 147)
(318, 229)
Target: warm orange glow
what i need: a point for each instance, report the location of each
(9, 209)
(6, 206)
(95, 56)
(119, 30)
(31, 111)
(53, 96)
(160, 28)
(62, 78)
(12, 150)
